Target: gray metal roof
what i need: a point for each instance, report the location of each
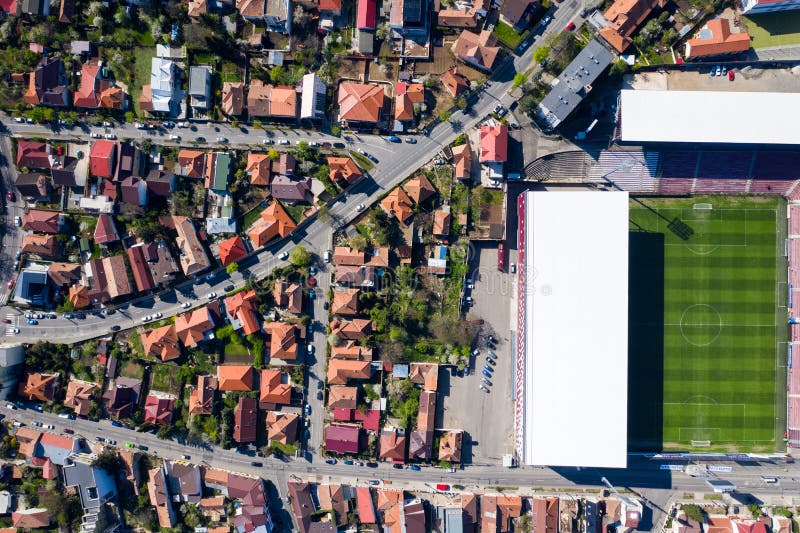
(200, 81)
(574, 84)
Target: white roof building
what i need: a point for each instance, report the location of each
(708, 117)
(162, 83)
(572, 328)
(312, 104)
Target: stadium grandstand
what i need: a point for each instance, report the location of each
(573, 275)
(793, 385)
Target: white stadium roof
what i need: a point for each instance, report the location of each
(709, 117)
(574, 328)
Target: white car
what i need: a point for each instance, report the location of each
(266, 141)
(284, 256)
(186, 305)
(222, 140)
(283, 141)
(174, 137)
(106, 124)
(18, 221)
(212, 295)
(110, 136)
(147, 318)
(157, 315)
(94, 135)
(19, 119)
(359, 208)
(183, 124)
(49, 426)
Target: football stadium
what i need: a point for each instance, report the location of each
(707, 325)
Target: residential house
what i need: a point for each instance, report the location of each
(355, 276)
(159, 261)
(478, 49)
(232, 98)
(282, 427)
(343, 255)
(271, 101)
(258, 166)
(218, 169)
(245, 416)
(195, 326)
(425, 374)
(122, 398)
(57, 448)
(291, 190)
(161, 95)
(130, 161)
(366, 15)
(184, 482)
(63, 173)
(109, 279)
(408, 96)
(79, 396)
(32, 518)
(716, 39)
(102, 158)
(329, 12)
(38, 386)
(285, 164)
(44, 246)
(193, 256)
(41, 221)
(544, 515)
(410, 19)
(624, 17)
(78, 296)
(48, 84)
(94, 485)
(333, 497)
(302, 505)
(191, 163)
(462, 159)
(351, 351)
(450, 446)
(160, 497)
(354, 329)
(213, 508)
(276, 389)
(235, 377)
(469, 510)
(133, 191)
(343, 439)
(345, 302)
(105, 231)
(200, 87)
(197, 8)
(360, 104)
(398, 204)
(231, 250)
(393, 445)
(142, 275)
(343, 171)
(515, 13)
(275, 14)
(288, 296)
(441, 222)
(253, 513)
(96, 91)
(33, 155)
(366, 506)
(283, 340)
(464, 17)
(201, 399)
(340, 371)
(421, 439)
(454, 82)
(34, 187)
(158, 409)
(342, 397)
(314, 94)
(274, 222)
(494, 144)
(489, 513)
(242, 309)
(419, 188)
(509, 507)
(258, 98)
(161, 342)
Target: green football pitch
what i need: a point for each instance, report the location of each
(706, 333)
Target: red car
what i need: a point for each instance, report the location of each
(442, 486)
(10, 283)
(10, 196)
(570, 26)
(312, 281)
(731, 75)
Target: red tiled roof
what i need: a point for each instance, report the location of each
(191, 327)
(624, 16)
(343, 171)
(140, 268)
(245, 416)
(32, 155)
(366, 507)
(104, 231)
(231, 250)
(454, 82)
(359, 102)
(343, 439)
(235, 377)
(161, 342)
(721, 40)
(244, 307)
(101, 158)
(273, 390)
(330, 5)
(494, 143)
(158, 410)
(367, 14)
(40, 221)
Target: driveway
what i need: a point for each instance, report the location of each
(487, 418)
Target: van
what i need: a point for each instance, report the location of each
(66, 415)
(767, 479)
(17, 424)
(11, 406)
(327, 256)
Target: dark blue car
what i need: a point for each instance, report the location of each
(487, 368)
(487, 374)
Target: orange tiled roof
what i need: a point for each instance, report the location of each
(454, 82)
(235, 377)
(341, 370)
(231, 250)
(232, 97)
(478, 49)
(398, 203)
(192, 327)
(426, 374)
(201, 399)
(258, 165)
(351, 330)
(624, 16)
(192, 163)
(274, 222)
(161, 342)
(419, 188)
(441, 222)
(283, 101)
(351, 351)
(343, 171)
(283, 340)
(79, 296)
(273, 390)
(342, 397)
(282, 427)
(27, 439)
(462, 158)
(720, 41)
(450, 446)
(345, 302)
(459, 18)
(79, 396)
(393, 445)
(38, 386)
(359, 102)
(244, 306)
(289, 296)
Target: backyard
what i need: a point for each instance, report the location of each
(163, 379)
(773, 29)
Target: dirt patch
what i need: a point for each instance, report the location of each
(351, 68)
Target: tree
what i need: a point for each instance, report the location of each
(129, 116)
(109, 461)
(256, 124)
(519, 79)
(273, 154)
(324, 214)
(233, 267)
(651, 31)
(300, 257)
(541, 53)
(444, 115)
(524, 523)
(382, 31)
(619, 68)
(527, 104)
(336, 130)
(359, 242)
(461, 102)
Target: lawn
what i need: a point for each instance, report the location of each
(773, 29)
(131, 369)
(508, 35)
(295, 211)
(141, 74)
(362, 161)
(163, 379)
(704, 360)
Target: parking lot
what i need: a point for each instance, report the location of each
(487, 418)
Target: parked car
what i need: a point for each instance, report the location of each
(411, 140)
(731, 75)
(284, 256)
(491, 338)
(69, 431)
(11, 196)
(442, 486)
(331, 461)
(488, 368)
(10, 283)
(222, 140)
(348, 462)
(394, 139)
(546, 20)
(33, 322)
(415, 468)
(491, 361)
(359, 208)
(570, 26)
(212, 295)
(486, 373)
(374, 482)
(283, 141)
(174, 137)
(130, 445)
(266, 141)
(484, 389)
(486, 382)
(18, 221)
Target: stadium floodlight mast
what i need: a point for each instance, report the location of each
(622, 497)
